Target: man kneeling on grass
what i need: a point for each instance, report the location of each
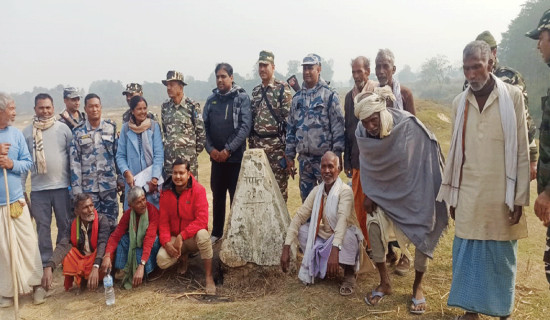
(81, 249)
(184, 222)
(135, 240)
(333, 238)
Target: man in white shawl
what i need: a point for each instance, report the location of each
(327, 230)
(486, 184)
(401, 168)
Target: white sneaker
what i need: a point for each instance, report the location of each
(214, 239)
(6, 302)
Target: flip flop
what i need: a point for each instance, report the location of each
(416, 303)
(348, 285)
(373, 294)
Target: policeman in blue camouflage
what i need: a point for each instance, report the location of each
(92, 159)
(514, 78)
(270, 106)
(132, 90)
(542, 204)
(182, 125)
(315, 125)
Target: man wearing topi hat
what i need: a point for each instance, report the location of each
(182, 125)
(132, 90)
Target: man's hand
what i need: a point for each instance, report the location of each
(515, 215)
(452, 212)
(542, 207)
(290, 167)
(533, 170)
(4, 148)
(47, 278)
(285, 258)
(333, 267)
(224, 155)
(5, 162)
(129, 177)
(172, 252)
(369, 205)
(215, 155)
(106, 264)
(153, 185)
(93, 278)
(178, 243)
(138, 276)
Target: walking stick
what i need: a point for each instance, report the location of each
(12, 249)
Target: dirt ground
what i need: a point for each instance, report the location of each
(279, 296)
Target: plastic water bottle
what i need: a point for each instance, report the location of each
(109, 290)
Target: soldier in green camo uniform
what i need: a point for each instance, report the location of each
(515, 78)
(542, 204)
(182, 125)
(270, 106)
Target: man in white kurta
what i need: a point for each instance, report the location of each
(486, 183)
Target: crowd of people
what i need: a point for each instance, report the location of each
(401, 193)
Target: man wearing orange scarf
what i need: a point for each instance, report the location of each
(81, 248)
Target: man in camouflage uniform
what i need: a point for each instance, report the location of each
(132, 90)
(182, 125)
(315, 125)
(270, 106)
(513, 77)
(92, 160)
(71, 116)
(542, 204)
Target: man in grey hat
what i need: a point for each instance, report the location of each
(542, 204)
(132, 90)
(182, 125)
(71, 116)
(315, 125)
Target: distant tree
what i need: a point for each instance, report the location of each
(110, 93)
(327, 69)
(406, 75)
(519, 52)
(436, 70)
(294, 67)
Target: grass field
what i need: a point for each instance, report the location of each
(173, 297)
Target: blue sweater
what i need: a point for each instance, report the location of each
(22, 162)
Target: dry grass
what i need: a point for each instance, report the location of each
(175, 297)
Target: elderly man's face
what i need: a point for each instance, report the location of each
(93, 109)
(7, 116)
(266, 71)
(372, 124)
(311, 75)
(174, 89)
(43, 108)
(85, 210)
(477, 70)
(72, 104)
(139, 205)
(359, 73)
(384, 71)
(544, 45)
(329, 169)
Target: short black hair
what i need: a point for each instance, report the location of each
(91, 96)
(225, 66)
(42, 96)
(180, 161)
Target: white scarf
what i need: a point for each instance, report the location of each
(451, 179)
(331, 210)
(398, 102)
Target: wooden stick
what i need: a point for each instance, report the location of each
(12, 249)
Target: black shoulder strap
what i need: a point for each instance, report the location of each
(193, 120)
(269, 106)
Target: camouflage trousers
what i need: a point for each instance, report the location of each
(275, 152)
(193, 164)
(547, 255)
(106, 203)
(310, 174)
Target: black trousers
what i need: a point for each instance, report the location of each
(223, 178)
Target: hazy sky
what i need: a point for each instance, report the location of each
(73, 42)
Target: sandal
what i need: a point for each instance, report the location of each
(372, 296)
(415, 304)
(347, 286)
(403, 266)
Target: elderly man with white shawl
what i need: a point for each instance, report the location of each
(332, 236)
(486, 184)
(401, 169)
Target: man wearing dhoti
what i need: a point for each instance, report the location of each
(400, 166)
(486, 184)
(332, 237)
(15, 158)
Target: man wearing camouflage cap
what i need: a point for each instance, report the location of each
(71, 116)
(513, 77)
(270, 106)
(542, 204)
(315, 125)
(132, 90)
(182, 125)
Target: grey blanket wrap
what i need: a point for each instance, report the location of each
(402, 173)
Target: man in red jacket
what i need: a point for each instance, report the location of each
(183, 225)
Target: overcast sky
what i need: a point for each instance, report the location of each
(73, 42)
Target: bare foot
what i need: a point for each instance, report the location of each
(182, 267)
(374, 300)
(210, 286)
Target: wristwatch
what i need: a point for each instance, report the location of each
(143, 262)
